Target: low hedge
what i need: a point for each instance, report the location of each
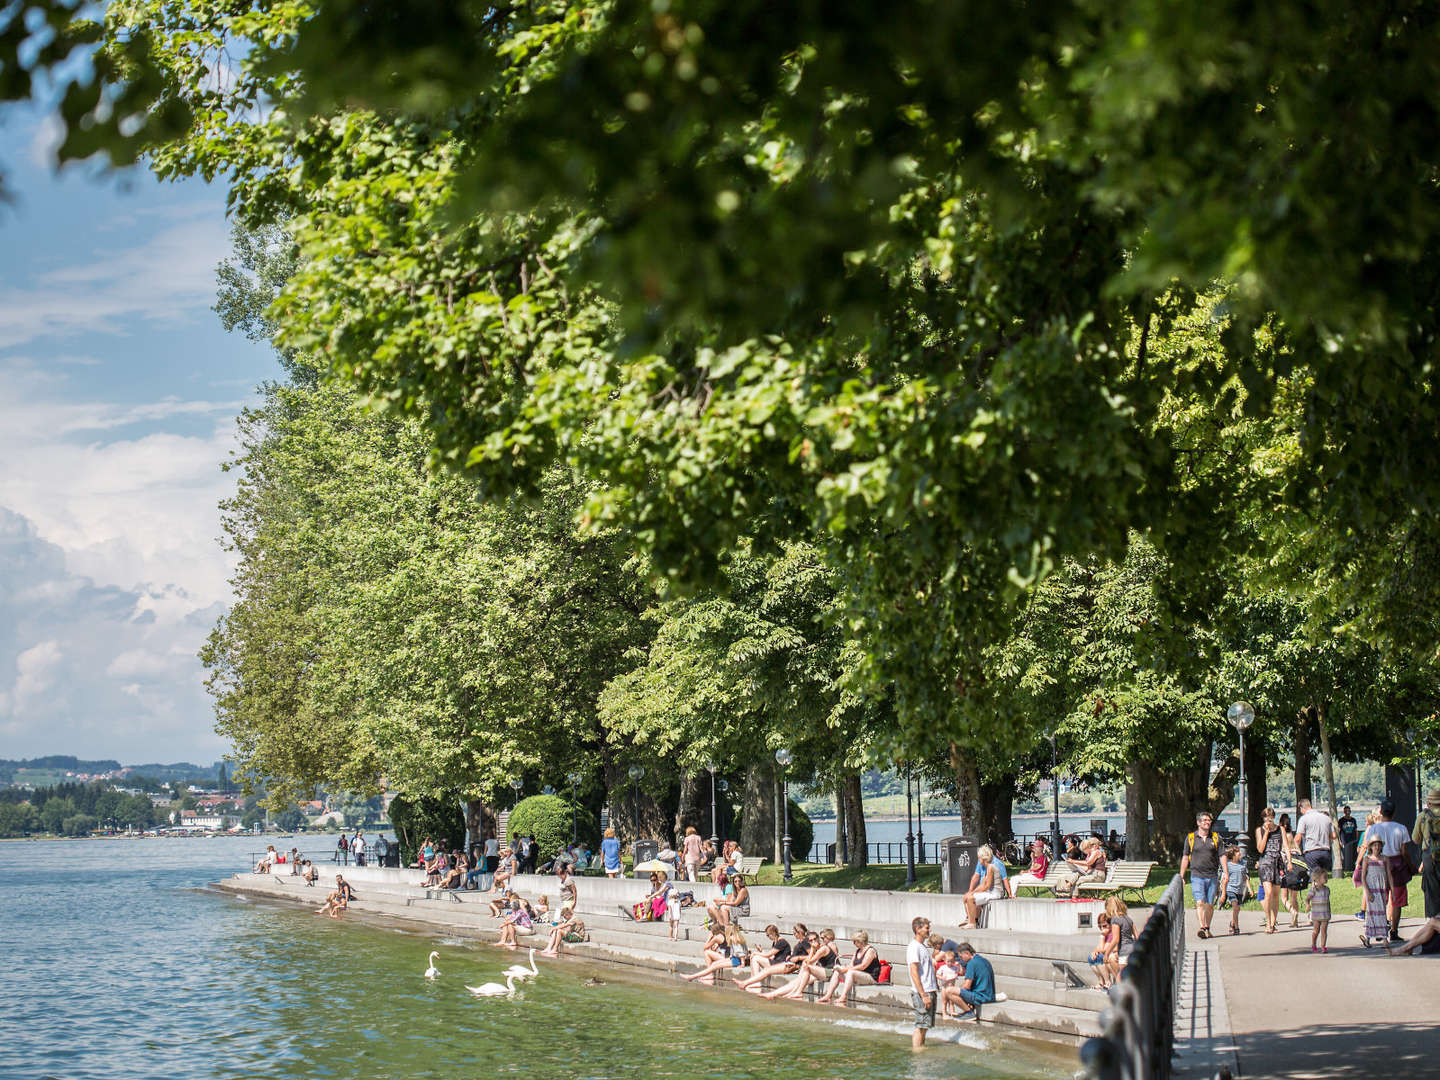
(550, 819)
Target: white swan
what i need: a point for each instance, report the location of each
(494, 989)
(522, 972)
(432, 970)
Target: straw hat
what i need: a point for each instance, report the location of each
(1432, 800)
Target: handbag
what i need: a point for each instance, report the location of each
(1295, 877)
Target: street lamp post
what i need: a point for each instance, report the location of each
(724, 789)
(714, 821)
(920, 818)
(1054, 799)
(574, 779)
(517, 784)
(840, 829)
(909, 834)
(636, 772)
(1241, 715)
(782, 758)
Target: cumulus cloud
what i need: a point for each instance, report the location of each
(96, 670)
(167, 277)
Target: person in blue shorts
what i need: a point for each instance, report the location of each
(1202, 857)
(977, 985)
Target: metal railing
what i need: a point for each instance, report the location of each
(1137, 1039)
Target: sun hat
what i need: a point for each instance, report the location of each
(1432, 800)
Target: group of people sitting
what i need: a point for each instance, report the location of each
(278, 863)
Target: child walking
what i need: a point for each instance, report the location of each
(1319, 910)
(1237, 883)
(1375, 876)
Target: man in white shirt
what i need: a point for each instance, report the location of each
(358, 847)
(923, 987)
(1316, 833)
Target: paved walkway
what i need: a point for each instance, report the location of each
(1351, 1014)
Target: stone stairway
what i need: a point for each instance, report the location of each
(1040, 1002)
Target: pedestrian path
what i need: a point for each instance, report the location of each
(1204, 1043)
(1351, 1014)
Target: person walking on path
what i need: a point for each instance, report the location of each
(1394, 836)
(1272, 843)
(1426, 836)
(610, 850)
(358, 846)
(690, 849)
(1237, 883)
(924, 988)
(1289, 897)
(1319, 911)
(1374, 871)
(342, 850)
(1202, 858)
(1349, 840)
(1316, 835)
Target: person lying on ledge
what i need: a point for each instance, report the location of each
(816, 967)
(862, 970)
(791, 964)
(1425, 940)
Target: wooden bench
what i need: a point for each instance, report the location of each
(1123, 877)
(1053, 876)
(749, 865)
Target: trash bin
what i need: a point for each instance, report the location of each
(644, 851)
(957, 862)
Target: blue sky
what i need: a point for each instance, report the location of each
(120, 392)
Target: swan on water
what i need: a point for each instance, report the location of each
(432, 970)
(522, 972)
(494, 989)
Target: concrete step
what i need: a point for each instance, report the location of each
(1035, 1008)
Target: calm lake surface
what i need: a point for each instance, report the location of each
(119, 964)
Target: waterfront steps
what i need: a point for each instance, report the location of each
(1040, 1002)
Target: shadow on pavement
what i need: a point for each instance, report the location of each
(1343, 1051)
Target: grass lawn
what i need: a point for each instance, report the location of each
(1345, 898)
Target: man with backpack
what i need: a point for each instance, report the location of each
(1426, 835)
(1202, 857)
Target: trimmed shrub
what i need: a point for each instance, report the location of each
(416, 818)
(802, 834)
(548, 818)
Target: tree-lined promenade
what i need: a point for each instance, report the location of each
(670, 384)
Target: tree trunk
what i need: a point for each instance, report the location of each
(1176, 795)
(997, 804)
(654, 821)
(855, 822)
(1304, 789)
(1224, 783)
(757, 821)
(1322, 714)
(1137, 813)
(689, 812)
(967, 791)
(474, 823)
(1256, 771)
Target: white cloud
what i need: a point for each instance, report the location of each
(166, 279)
(93, 670)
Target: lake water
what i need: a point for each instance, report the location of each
(120, 965)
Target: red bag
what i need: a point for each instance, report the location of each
(884, 978)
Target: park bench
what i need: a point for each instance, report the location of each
(1057, 871)
(749, 865)
(1123, 877)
